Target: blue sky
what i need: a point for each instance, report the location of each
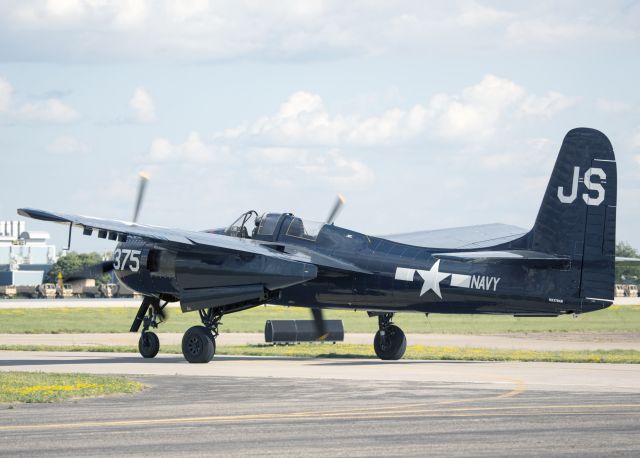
(423, 114)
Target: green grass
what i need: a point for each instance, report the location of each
(416, 352)
(82, 320)
(43, 387)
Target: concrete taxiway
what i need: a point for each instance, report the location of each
(247, 406)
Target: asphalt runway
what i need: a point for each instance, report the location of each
(249, 406)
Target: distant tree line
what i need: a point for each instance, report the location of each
(72, 263)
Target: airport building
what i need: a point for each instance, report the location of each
(25, 256)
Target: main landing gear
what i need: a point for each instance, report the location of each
(390, 342)
(199, 342)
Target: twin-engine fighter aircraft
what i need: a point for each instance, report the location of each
(565, 264)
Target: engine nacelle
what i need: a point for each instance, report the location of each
(147, 268)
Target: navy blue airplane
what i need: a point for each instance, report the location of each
(564, 264)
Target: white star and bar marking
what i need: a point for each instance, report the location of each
(433, 277)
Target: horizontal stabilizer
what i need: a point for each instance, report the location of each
(533, 259)
(630, 262)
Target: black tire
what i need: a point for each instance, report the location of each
(395, 346)
(198, 345)
(149, 344)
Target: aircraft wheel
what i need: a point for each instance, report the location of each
(148, 345)
(198, 345)
(393, 346)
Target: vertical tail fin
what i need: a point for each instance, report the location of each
(577, 217)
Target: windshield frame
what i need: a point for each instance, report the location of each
(239, 227)
(305, 229)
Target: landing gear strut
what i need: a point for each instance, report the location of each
(199, 342)
(390, 342)
(150, 315)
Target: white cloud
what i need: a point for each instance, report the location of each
(474, 114)
(282, 166)
(193, 150)
(303, 119)
(65, 14)
(200, 30)
(304, 145)
(289, 167)
(547, 105)
(470, 116)
(554, 31)
(477, 15)
(49, 110)
(181, 10)
(142, 104)
(5, 95)
(67, 145)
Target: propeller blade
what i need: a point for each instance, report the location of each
(337, 207)
(318, 320)
(160, 311)
(92, 271)
(144, 178)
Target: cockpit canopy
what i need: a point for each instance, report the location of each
(264, 227)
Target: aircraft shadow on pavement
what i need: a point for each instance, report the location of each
(377, 362)
(127, 360)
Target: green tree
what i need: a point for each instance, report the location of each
(625, 250)
(72, 263)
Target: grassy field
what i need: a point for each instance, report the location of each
(78, 320)
(366, 351)
(43, 387)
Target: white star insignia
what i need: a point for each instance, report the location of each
(432, 279)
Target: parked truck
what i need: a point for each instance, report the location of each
(8, 291)
(631, 290)
(64, 291)
(46, 291)
(80, 288)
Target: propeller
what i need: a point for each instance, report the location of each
(318, 316)
(91, 271)
(336, 209)
(318, 322)
(104, 267)
(142, 185)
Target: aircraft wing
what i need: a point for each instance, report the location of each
(468, 237)
(527, 258)
(119, 230)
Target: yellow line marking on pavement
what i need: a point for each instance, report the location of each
(382, 414)
(520, 387)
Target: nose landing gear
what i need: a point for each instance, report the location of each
(389, 342)
(150, 315)
(149, 344)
